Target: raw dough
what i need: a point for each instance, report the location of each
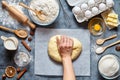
(53, 50)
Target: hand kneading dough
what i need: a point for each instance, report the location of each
(53, 50)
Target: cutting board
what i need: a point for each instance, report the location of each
(47, 67)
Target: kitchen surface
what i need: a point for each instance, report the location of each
(26, 27)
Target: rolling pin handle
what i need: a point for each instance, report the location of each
(32, 26)
(4, 4)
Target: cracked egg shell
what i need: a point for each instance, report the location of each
(84, 6)
(88, 13)
(91, 3)
(102, 6)
(95, 10)
(76, 10)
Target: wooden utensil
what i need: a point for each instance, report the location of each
(19, 32)
(102, 49)
(101, 41)
(18, 15)
(39, 14)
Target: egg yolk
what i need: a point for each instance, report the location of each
(97, 27)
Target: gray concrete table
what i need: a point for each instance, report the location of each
(6, 57)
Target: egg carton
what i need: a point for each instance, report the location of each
(87, 9)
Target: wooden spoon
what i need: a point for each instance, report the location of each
(101, 41)
(19, 32)
(39, 14)
(102, 49)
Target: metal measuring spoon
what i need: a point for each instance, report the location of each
(101, 41)
(102, 49)
(19, 32)
(39, 14)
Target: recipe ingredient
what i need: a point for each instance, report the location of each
(97, 27)
(30, 39)
(22, 59)
(18, 69)
(10, 44)
(10, 71)
(102, 6)
(53, 50)
(49, 8)
(3, 77)
(112, 20)
(21, 73)
(26, 45)
(117, 48)
(108, 65)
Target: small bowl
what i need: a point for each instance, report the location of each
(39, 22)
(96, 21)
(116, 74)
(22, 58)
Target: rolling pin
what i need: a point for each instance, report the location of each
(18, 15)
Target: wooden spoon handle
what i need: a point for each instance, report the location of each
(112, 44)
(6, 29)
(111, 37)
(25, 6)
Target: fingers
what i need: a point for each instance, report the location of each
(71, 43)
(57, 40)
(64, 41)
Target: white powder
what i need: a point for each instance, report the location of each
(49, 7)
(108, 65)
(10, 45)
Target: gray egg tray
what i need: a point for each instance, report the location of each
(90, 8)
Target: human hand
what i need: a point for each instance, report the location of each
(65, 45)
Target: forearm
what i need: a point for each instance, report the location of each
(68, 69)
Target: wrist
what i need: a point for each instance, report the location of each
(66, 58)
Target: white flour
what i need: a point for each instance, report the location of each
(108, 65)
(49, 7)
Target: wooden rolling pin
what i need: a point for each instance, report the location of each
(18, 15)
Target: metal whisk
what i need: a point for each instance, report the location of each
(66, 16)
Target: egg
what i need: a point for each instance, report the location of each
(109, 3)
(98, 1)
(84, 6)
(95, 10)
(88, 14)
(91, 3)
(76, 10)
(102, 6)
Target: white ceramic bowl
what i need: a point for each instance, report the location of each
(35, 19)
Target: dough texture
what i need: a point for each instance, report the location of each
(53, 50)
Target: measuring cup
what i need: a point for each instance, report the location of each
(10, 43)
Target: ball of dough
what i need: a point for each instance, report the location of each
(102, 6)
(76, 10)
(53, 50)
(95, 10)
(84, 6)
(88, 14)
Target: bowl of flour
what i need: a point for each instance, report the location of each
(49, 8)
(109, 66)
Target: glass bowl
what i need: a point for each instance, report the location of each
(36, 20)
(95, 21)
(22, 58)
(117, 73)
